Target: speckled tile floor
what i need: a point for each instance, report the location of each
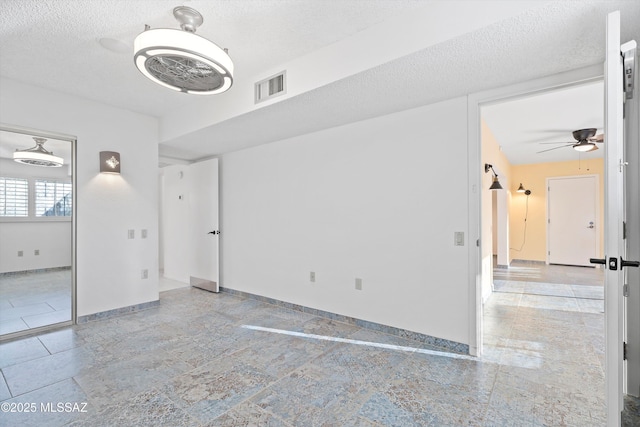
(202, 359)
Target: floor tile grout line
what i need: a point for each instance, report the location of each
(6, 383)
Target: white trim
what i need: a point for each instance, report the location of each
(613, 216)
(474, 103)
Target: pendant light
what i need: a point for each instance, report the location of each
(182, 60)
(38, 155)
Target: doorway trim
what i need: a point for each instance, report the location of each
(474, 103)
(74, 221)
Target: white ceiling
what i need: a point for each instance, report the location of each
(524, 127)
(55, 45)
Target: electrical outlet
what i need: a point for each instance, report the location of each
(143, 233)
(20, 253)
(36, 252)
(312, 276)
(131, 234)
(358, 283)
(145, 274)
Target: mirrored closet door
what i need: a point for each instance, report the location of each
(36, 231)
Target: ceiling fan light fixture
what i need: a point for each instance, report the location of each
(38, 156)
(585, 146)
(181, 60)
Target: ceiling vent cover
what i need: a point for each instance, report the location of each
(182, 60)
(272, 87)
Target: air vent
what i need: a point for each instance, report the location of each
(271, 87)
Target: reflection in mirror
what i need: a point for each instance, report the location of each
(36, 199)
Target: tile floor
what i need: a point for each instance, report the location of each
(203, 359)
(32, 299)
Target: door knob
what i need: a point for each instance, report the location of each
(625, 263)
(597, 260)
(214, 232)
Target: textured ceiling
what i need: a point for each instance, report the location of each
(54, 44)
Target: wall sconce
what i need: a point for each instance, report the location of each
(495, 185)
(522, 190)
(109, 162)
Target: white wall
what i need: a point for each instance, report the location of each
(108, 264)
(378, 200)
(52, 239)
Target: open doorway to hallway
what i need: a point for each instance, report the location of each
(542, 323)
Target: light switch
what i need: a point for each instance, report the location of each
(458, 238)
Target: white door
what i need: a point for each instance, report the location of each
(614, 247)
(571, 226)
(203, 224)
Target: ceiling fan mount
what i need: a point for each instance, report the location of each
(583, 134)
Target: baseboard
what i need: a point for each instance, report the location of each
(35, 270)
(528, 261)
(118, 311)
(442, 343)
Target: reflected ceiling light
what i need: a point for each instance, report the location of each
(182, 60)
(495, 185)
(38, 155)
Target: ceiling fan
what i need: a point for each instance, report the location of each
(586, 141)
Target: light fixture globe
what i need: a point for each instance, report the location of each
(182, 60)
(585, 146)
(38, 155)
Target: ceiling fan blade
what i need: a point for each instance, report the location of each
(561, 142)
(597, 138)
(555, 148)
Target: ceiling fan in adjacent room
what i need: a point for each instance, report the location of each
(586, 140)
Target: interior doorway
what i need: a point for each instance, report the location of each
(573, 226)
(37, 231)
(533, 306)
(189, 226)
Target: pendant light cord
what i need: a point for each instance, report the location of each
(524, 234)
